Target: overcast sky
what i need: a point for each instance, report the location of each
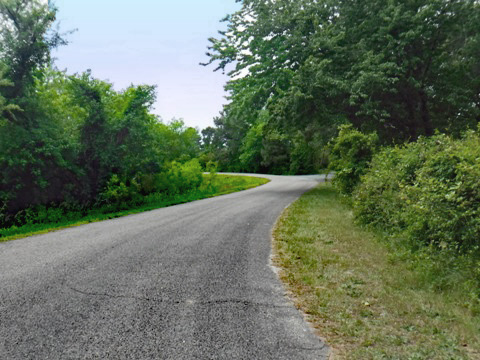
(157, 42)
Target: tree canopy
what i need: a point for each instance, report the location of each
(300, 68)
(64, 137)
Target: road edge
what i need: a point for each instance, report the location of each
(279, 272)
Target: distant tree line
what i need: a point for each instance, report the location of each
(68, 140)
(300, 68)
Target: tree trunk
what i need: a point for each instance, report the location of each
(411, 121)
(427, 121)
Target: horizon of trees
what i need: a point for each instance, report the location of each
(63, 138)
(300, 68)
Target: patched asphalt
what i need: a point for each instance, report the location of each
(190, 281)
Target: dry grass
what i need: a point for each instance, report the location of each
(360, 297)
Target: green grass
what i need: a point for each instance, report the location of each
(219, 185)
(361, 296)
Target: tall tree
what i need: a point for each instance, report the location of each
(27, 39)
(31, 150)
(402, 68)
(96, 136)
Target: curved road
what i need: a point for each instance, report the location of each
(190, 281)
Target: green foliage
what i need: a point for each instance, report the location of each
(6, 110)
(308, 154)
(251, 150)
(400, 69)
(210, 179)
(350, 156)
(276, 152)
(177, 141)
(42, 219)
(185, 177)
(96, 150)
(25, 47)
(211, 167)
(175, 179)
(118, 193)
(354, 285)
(33, 153)
(73, 141)
(45, 215)
(426, 192)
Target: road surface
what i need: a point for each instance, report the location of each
(191, 281)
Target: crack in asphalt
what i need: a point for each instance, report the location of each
(246, 303)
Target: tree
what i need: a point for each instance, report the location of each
(96, 136)
(133, 125)
(268, 42)
(69, 141)
(31, 148)
(27, 39)
(252, 146)
(400, 68)
(406, 58)
(6, 110)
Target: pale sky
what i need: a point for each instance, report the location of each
(156, 42)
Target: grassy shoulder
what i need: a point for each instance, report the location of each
(217, 185)
(362, 297)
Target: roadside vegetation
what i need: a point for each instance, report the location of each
(73, 149)
(387, 95)
(369, 295)
(42, 219)
(300, 68)
(424, 196)
(386, 261)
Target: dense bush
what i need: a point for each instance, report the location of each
(123, 193)
(176, 178)
(427, 191)
(71, 143)
(184, 177)
(120, 192)
(350, 155)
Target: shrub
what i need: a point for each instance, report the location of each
(39, 214)
(118, 193)
(211, 167)
(428, 191)
(209, 181)
(148, 183)
(184, 177)
(54, 214)
(380, 199)
(350, 155)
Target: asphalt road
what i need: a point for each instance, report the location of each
(191, 281)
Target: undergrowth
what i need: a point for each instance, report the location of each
(213, 185)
